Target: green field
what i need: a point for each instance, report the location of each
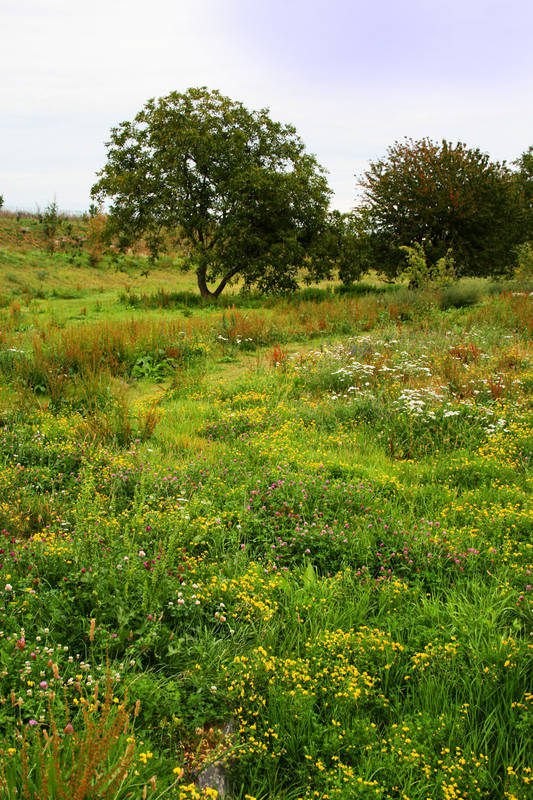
(292, 534)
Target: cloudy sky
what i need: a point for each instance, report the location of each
(353, 77)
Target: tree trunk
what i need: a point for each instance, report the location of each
(205, 291)
(225, 279)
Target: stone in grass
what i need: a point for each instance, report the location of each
(215, 776)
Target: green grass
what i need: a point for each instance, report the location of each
(302, 527)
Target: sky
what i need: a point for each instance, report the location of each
(353, 77)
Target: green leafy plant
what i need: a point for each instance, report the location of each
(51, 223)
(153, 367)
(423, 275)
(524, 259)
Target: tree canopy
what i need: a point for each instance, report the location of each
(444, 197)
(524, 180)
(238, 189)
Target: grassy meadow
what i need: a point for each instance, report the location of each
(289, 534)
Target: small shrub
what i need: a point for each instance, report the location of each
(423, 275)
(96, 238)
(459, 295)
(417, 269)
(524, 261)
(51, 224)
(444, 271)
(495, 287)
(356, 289)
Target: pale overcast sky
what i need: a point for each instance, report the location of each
(353, 77)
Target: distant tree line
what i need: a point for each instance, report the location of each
(243, 200)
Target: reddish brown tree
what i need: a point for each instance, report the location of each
(443, 196)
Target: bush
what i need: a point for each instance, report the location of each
(459, 295)
(524, 261)
(421, 274)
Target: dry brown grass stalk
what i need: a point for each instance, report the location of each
(80, 765)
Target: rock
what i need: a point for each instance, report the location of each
(214, 777)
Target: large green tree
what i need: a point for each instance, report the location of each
(524, 180)
(444, 197)
(342, 250)
(238, 189)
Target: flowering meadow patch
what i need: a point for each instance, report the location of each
(313, 569)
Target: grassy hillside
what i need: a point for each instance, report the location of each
(291, 534)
